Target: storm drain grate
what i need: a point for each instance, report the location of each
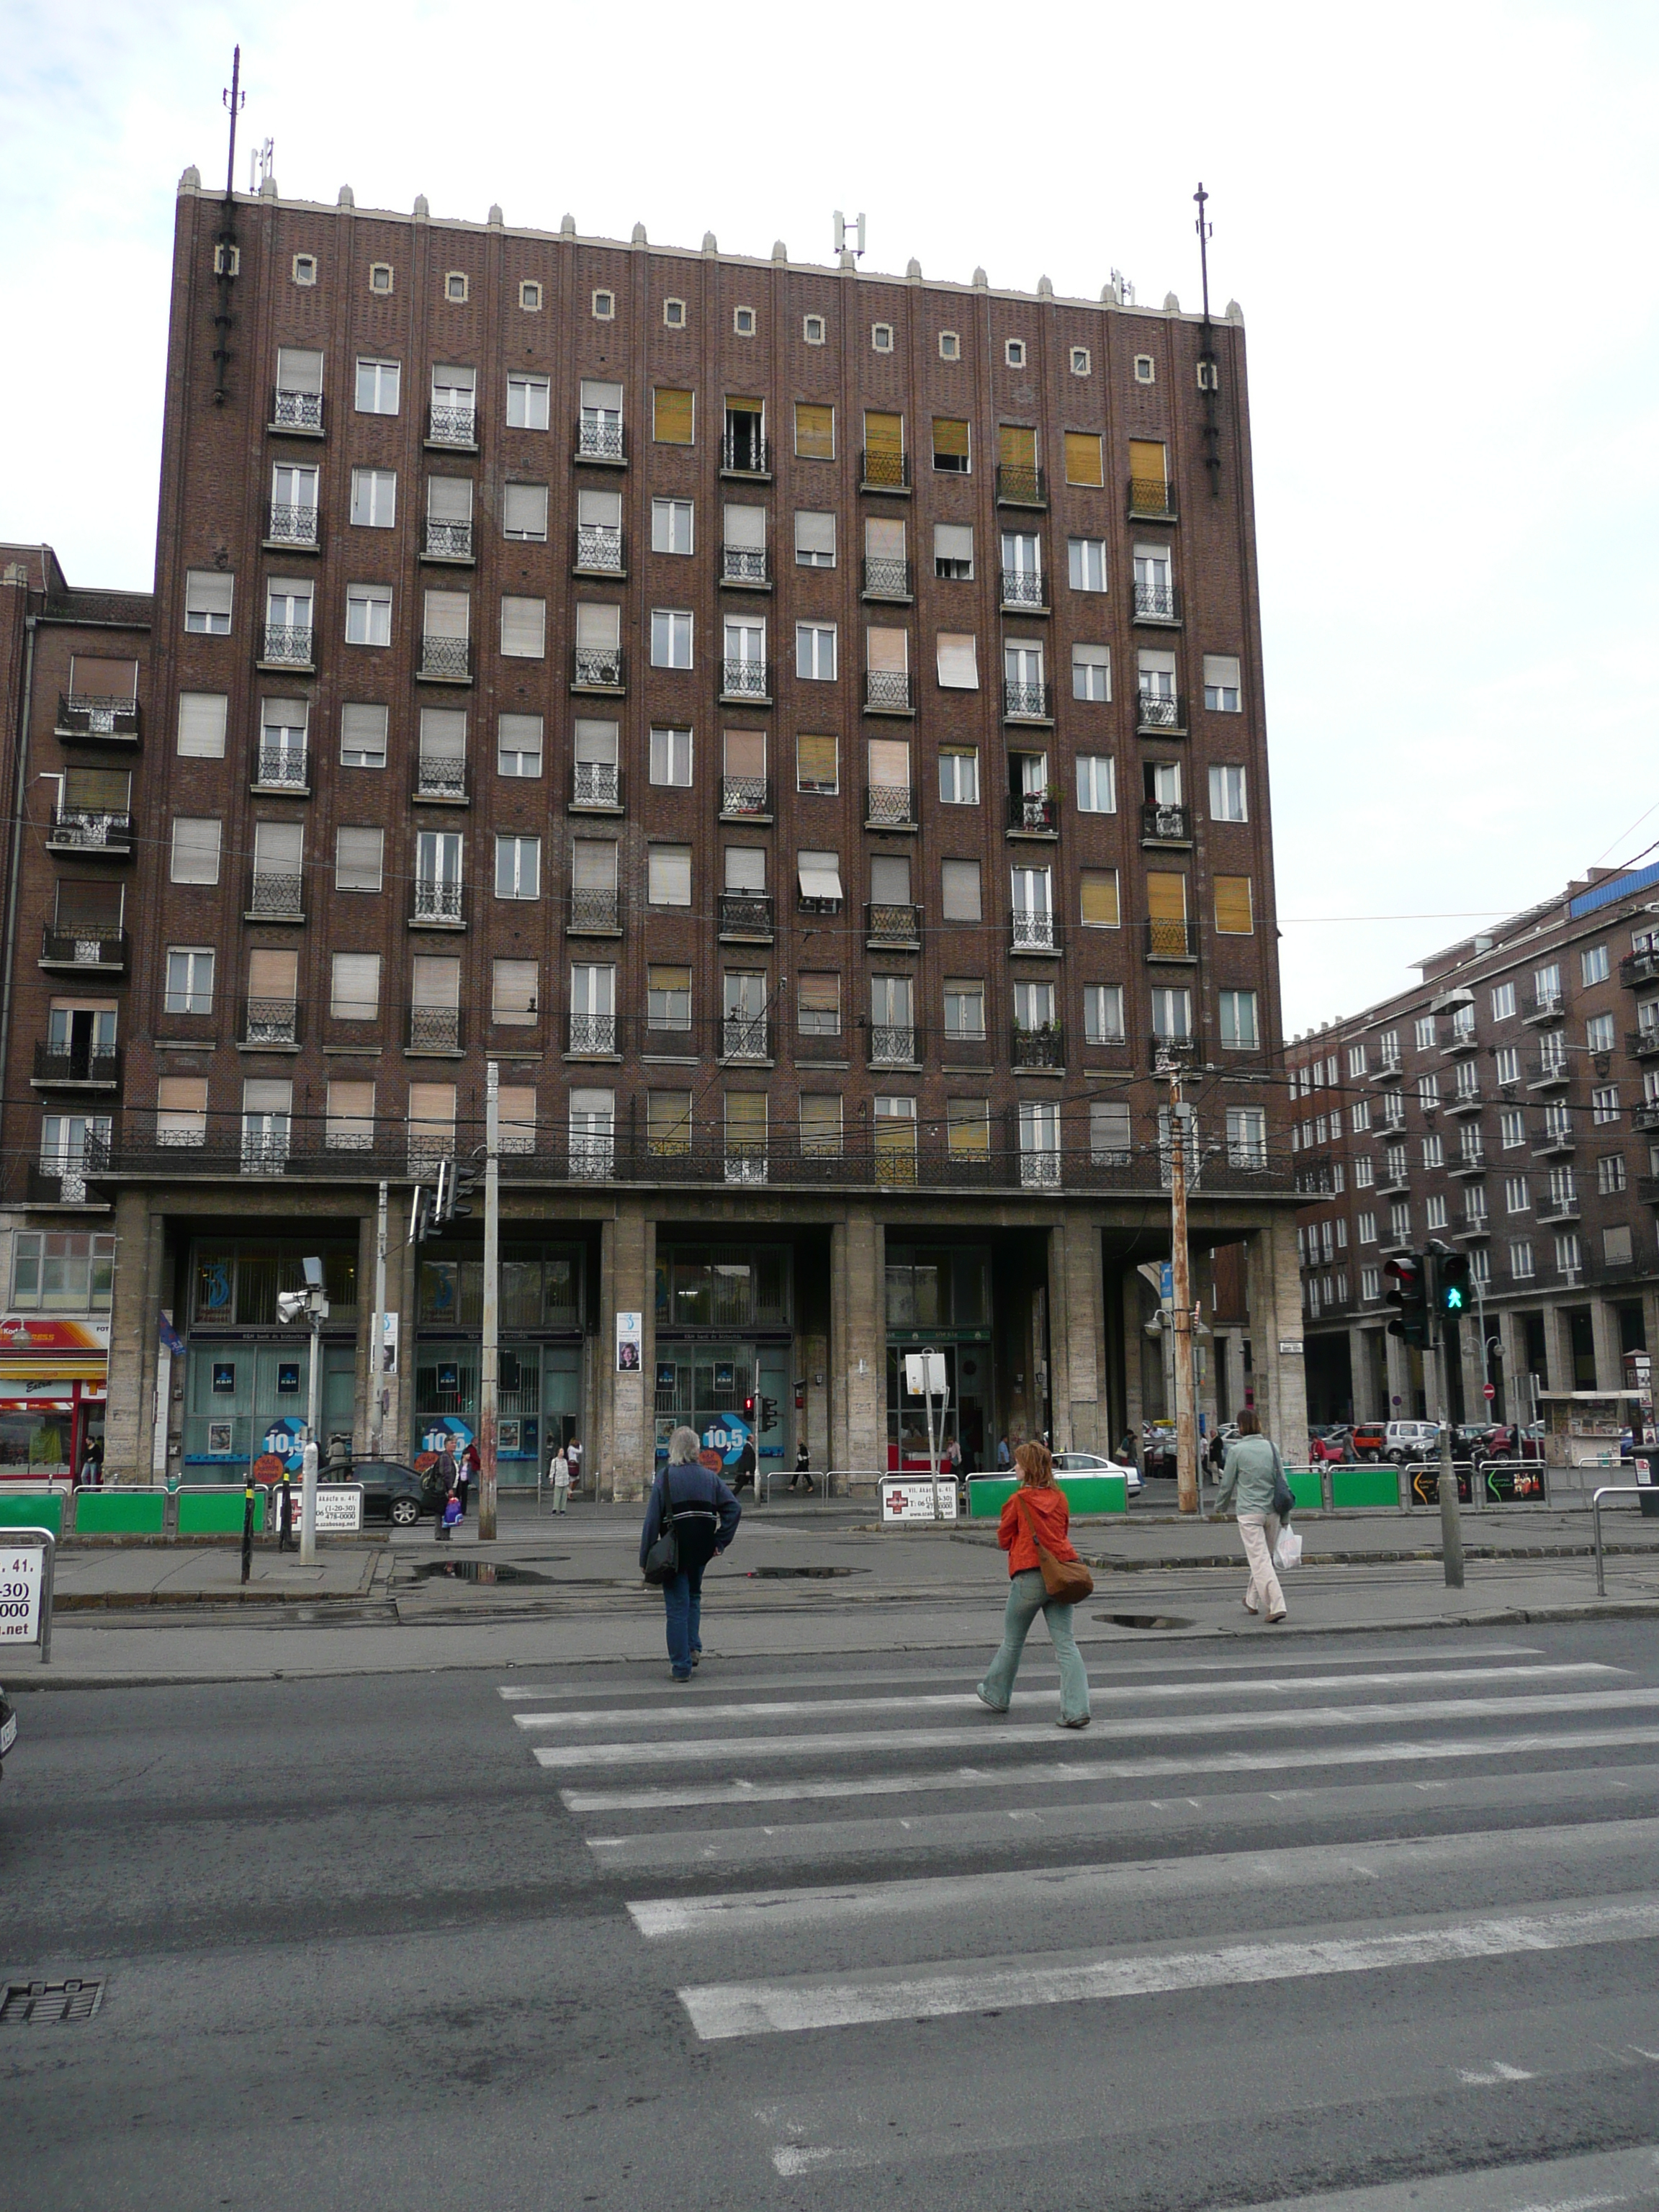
(33, 2004)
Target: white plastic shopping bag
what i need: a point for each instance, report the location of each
(1287, 1552)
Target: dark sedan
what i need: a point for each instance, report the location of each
(394, 1492)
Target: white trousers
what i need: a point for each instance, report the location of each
(1259, 1533)
(561, 1494)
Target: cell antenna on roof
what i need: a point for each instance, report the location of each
(235, 100)
(260, 163)
(1205, 230)
(1209, 369)
(225, 253)
(842, 226)
(1126, 290)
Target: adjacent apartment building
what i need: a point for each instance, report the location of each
(805, 726)
(1509, 1105)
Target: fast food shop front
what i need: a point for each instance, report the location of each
(53, 1391)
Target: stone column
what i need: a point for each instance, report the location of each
(403, 1291)
(857, 1346)
(365, 1379)
(620, 1445)
(127, 1444)
(1275, 1300)
(1609, 1361)
(1074, 1323)
(1134, 1338)
(1558, 1349)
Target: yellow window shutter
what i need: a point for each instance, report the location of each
(674, 417)
(883, 433)
(1233, 914)
(745, 1120)
(949, 437)
(1166, 897)
(668, 1122)
(1016, 446)
(1100, 900)
(1083, 464)
(967, 1125)
(819, 993)
(815, 431)
(1147, 462)
(820, 1124)
(815, 762)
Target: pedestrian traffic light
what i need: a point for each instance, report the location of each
(463, 1181)
(768, 1413)
(444, 1197)
(421, 1222)
(1408, 1297)
(748, 1409)
(1454, 1282)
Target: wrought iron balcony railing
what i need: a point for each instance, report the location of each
(435, 1029)
(270, 1022)
(275, 895)
(297, 411)
(1542, 1006)
(884, 471)
(440, 777)
(1548, 1072)
(90, 714)
(1040, 1167)
(595, 912)
(1171, 940)
(1157, 602)
(1028, 702)
(288, 644)
(599, 437)
(1043, 1047)
(437, 902)
(1152, 500)
(447, 659)
(889, 579)
(1034, 813)
(1642, 1043)
(599, 550)
(1465, 1101)
(96, 945)
(453, 426)
(282, 767)
(1638, 968)
(1160, 710)
(93, 1067)
(80, 829)
(889, 806)
(1163, 824)
(745, 454)
(448, 541)
(1023, 590)
(889, 924)
(1033, 932)
(894, 1044)
(745, 679)
(746, 915)
(749, 565)
(596, 668)
(594, 1034)
(1556, 1143)
(746, 1036)
(746, 798)
(887, 691)
(596, 785)
(266, 1151)
(290, 525)
(1020, 486)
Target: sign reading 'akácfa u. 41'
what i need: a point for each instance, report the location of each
(21, 1575)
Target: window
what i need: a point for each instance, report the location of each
(359, 860)
(673, 314)
(815, 431)
(959, 889)
(355, 987)
(670, 639)
(202, 719)
(669, 875)
(379, 386)
(373, 498)
(1145, 370)
(305, 269)
(1592, 965)
(670, 758)
(1100, 907)
(1222, 692)
(195, 850)
(1082, 362)
(1367, 1228)
(1604, 1103)
(369, 614)
(673, 417)
(1238, 1023)
(1434, 1154)
(208, 596)
(1097, 784)
(1610, 1176)
(1103, 1013)
(817, 764)
(950, 346)
(530, 297)
(518, 867)
(951, 453)
(604, 306)
(1503, 1006)
(668, 998)
(964, 1010)
(454, 404)
(1227, 803)
(60, 1271)
(815, 539)
(953, 551)
(1599, 1033)
(1091, 672)
(1365, 1174)
(364, 736)
(814, 652)
(671, 525)
(190, 980)
(1507, 1060)
(881, 338)
(958, 660)
(519, 745)
(1425, 1033)
(527, 398)
(1233, 914)
(1247, 1142)
(1084, 455)
(1172, 1016)
(1512, 1127)
(524, 628)
(813, 329)
(743, 322)
(455, 287)
(1547, 983)
(958, 775)
(1086, 558)
(1013, 352)
(524, 512)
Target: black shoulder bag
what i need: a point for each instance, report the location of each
(662, 1561)
(1283, 1496)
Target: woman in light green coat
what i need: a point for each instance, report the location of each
(1247, 1474)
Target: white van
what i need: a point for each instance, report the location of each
(1411, 1440)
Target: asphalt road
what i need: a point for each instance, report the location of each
(1370, 1914)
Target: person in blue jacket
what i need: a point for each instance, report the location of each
(704, 1516)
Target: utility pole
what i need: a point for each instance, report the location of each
(377, 1340)
(1181, 1299)
(490, 1359)
(314, 1455)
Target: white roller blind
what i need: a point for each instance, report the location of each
(524, 628)
(355, 991)
(515, 992)
(959, 891)
(814, 532)
(526, 514)
(363, 727)
(671, 875)
(209, 591)
(889, 763)
(1157, 664)
(598, 510)
(449, 499)
(889, 651)
(202, 718)
(278, 847)
(195, 850)
(273, 975)
(890, 878)
(597, 741)
(447, 614)
(298, 369)
(605, 397)
(1221, 671)
(443, 733)
(283, 715)
(884, 541)
(746, 526)
(598, 627)
(263, 1095)
(593, 865)
(953, 541)
(820, 875)
(435, 982)
(958, 660)
(359, 860)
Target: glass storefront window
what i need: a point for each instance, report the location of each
(705, 1287)
(55, 1272)
(236, 1284)
(540, 1293)
(937, 1289)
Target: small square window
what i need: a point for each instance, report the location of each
(305, 269)
(813, 329)
(605, 307)
(1082, 362)
(227, 260)
(530, 298)
(743, 322)
(380, 276)
(455, 288)
(1013, 353)
(1209, 376)
(881, 337)
(673, 313)
(950, 346)
(1145, 369)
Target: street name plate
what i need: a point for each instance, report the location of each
(911, 1498)
(1289, 1344)
(21, 1570)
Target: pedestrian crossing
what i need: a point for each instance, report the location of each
(867, 1868)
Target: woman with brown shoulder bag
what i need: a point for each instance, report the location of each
(1045, 1575)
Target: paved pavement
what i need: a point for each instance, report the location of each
(1364, 1922)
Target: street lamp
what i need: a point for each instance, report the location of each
(312, 1304)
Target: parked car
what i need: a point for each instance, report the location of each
(8, 1729)
(1407, 1442)
(1329, 1446)
(1158, 1455)
(1367, 1440)
(394, 1492)
(1081, 1462)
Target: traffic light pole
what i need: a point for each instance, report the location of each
(1181, 1302)
(489, 1350)
(1451, 1519)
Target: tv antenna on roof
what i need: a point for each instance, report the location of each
(260, 163)
(235, 100)
(842, 226)
(1126, 290)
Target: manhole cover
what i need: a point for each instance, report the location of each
(476, 1571)
(33, 2004)
(808, 1574)
(1144, 1620)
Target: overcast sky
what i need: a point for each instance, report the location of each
(1440, 221)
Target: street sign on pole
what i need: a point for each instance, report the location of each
(1488, 1391)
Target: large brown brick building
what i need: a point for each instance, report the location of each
(805, 726)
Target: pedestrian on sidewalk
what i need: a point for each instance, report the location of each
(703, 1514)
(573, 1452)
(1004, 1456)
(1037, 1511)
(1250, 1473)
(803, 1467)
(471, 1467)
(560, 1475)
(285, 1511)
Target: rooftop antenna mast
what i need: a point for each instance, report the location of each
(1209, 369)
(842, 226)
(225, 254)
(235, 100)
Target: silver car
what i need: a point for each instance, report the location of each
(1076, 1463)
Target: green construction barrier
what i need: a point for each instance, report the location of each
(120, 1512)
(1365, 1486)
(1084, 1494)
(217, 1512)
(1306, 1488)
(32, 1509)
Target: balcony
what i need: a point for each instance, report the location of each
(97, 720)
(1034, 813)
(1390, 1125)
(593, 1037)
(447, 541)
(1161, 714)
(440, 782)
(1473, 1229)
(445, 660)
(66, 1183)
(1549, 1074)
(1385, 1071)
(291, 529)
(745, 799)
(746, 683)
(93, 948)
(746, 567)
(284, 768)
(887, 691)
(436, 1030)
(889, 579)
(76, 1067)
(276, 897)
(1461, 1043)
(599, 437)
(1033, 932)
(746, 917)
(296, 414)
(1637, 969)
(1465, 1102)
(1555, 1144)
(437, 905)
(597, 668)
(1024, 592)
(1644, 1118)
(889, 806)
(594, 912)
(1028, 702)
(894, 1044)
(1466, 1163)
(1019, 486)
(1042, 1047)
(1392, 1182)
(287, 645)
(1168, 939)
(746, 453)
(1165, 825)
(888, 927)
(1557, 1209)
(76, 830)
(270, 1024)
(1647, 1189)
(598, 551)
(1543, 1006)
(746, 1036)
(596, 788)
(1151, 499)
(1157, 602)
(1177, 1049)
(884, 471)
(455, 427)
(1642, 1043)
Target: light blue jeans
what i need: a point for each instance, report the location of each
(1026, 1599)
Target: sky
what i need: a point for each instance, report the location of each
(1439, 221)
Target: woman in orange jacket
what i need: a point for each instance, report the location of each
(1037, 1509)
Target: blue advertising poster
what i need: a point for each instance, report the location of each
(727, 1434)
(286, 1437)
(446, 1432)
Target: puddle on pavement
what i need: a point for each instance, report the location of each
(476, 1571)
(1144, 1620)
(808, 1574)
